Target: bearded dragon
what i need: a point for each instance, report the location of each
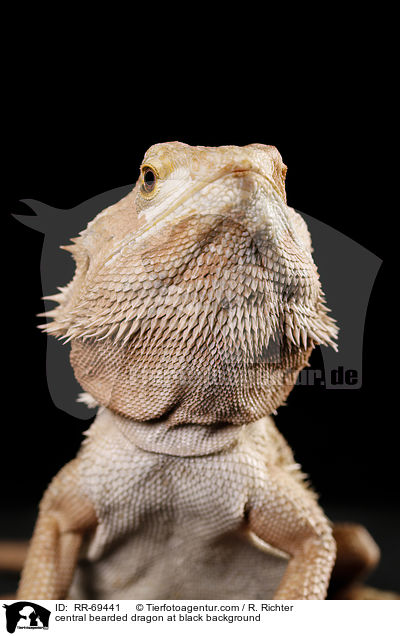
(194, 306)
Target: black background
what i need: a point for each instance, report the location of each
(67, 142)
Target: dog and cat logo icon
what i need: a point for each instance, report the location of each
(26, 615)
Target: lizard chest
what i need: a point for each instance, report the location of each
(169, 526)
(162, 499)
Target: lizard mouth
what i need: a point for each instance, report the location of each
(151, 226)
(252, 174)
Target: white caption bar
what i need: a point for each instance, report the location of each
(297, 618)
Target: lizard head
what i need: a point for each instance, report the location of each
(195, 298)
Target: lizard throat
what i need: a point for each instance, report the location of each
(188, 440)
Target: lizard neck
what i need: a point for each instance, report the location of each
(183, 440)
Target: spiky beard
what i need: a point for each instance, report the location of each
(212, 298)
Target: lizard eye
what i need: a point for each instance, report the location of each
(149, 179)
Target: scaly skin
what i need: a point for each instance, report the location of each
(194, 306)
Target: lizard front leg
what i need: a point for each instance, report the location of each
(285, 515)
(64, 517)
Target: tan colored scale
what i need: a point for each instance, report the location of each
(194, 306)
